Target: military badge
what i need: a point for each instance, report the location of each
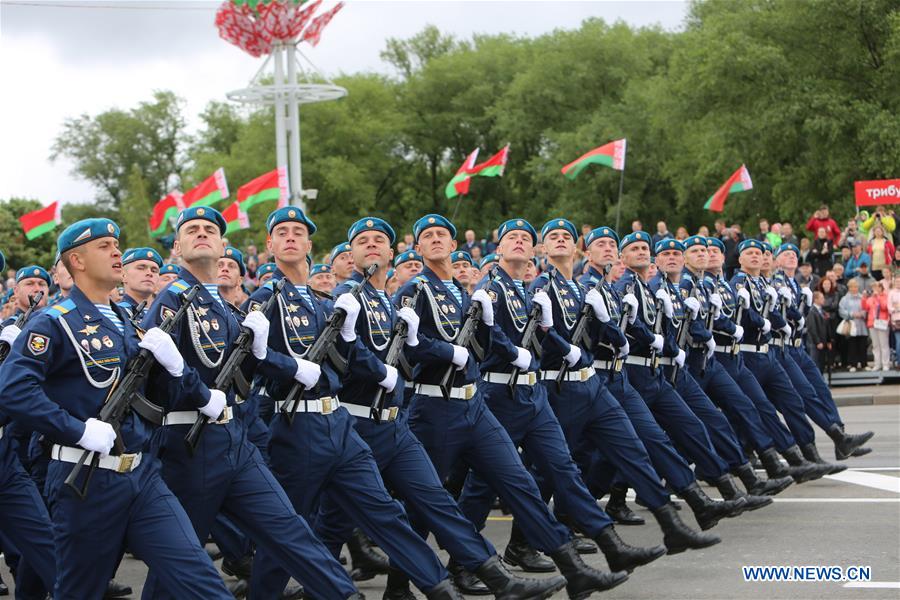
(107, 342)
(201, 311)
(89, 329)
(95, 344)
(165, 312)
(445, 308)
(254, 306)
(305, 320)
(215, 324)
(205, 325)
(292, 308)
(406, 302)
(86, 345)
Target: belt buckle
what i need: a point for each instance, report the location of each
(617, 364)
(326, 405)
(225, 418)
(392, 413)
(532, 378)
(584, 375)
(469, 391)
(125, 463)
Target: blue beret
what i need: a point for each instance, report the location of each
(391, 273)
(517, 224)
(207, 213)
(237, 256)
(339, 249)
(85, 231)
(286, 214)
(695, 240)
(2, 261)
(169, 269)
(406, 257)
(747, 244)
(265, 268)
(601, 232)
(633, 237)
(767, 247)
(32, 271)
(490, 258)
(668, 244)
(788, 248)
(564, 224)
(319, 268)
(371, 224)
(714, 241)
(433, 220)
(134, 254)
(461, 255)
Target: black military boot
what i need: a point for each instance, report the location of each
(775, 468)
(397, 587)
(708, 511)
(729, 489)
(114, 589)
(367, 562)
(811, 453)
(795, 459)
(621, 556)
(519, 554)
(582, 580)
(845, 443)
(506, 586)
(239, 589)
(293, 592)
(677, 536)
(465, 581)
(618, 509)
(582, 544)
(240, 569)
(444, 591)
(761, 487)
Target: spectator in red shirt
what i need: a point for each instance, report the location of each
(822, 219)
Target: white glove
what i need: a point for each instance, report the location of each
(657, 343)
(256, 322)
(663, 296)
(715, 301)
(632, 301)
(412, 325)
(460, 357)
(624, 350)
(523, 360)
(785, 292)
(744, 295)
(390, 380)
(164, 350)
(710, 348)
(97, 437)
(693, 305)
(349, 305)
(9, 334)
(595, 299)
(787, 330)
(487, 307)
(767, 326)
(216, 404)
(573, 356)
(543, 300)
(679, 358)
(772, 294)
(801, 323)
(308, 373)
(738, 333)
(807, 293)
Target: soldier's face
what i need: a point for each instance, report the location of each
(787, 260)
(342, 265)
(636, 255)
(229, 273)
(697, 257)
(603, 251)
(407, 270)
(322, 282)
(435, 244)
(516, 246)
(29, 287)
(141, 276)
(199, 239)
(462, 271)
(670, 261)
(62, 277)
(289, 242)
(530, 272)
(766, 264)
(751, 258)
(165, 280)
(369, 248)
(559, 244)
(100, 260)
(715, 258)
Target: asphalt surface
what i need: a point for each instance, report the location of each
(851, 519)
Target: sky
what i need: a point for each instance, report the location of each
(64, 58)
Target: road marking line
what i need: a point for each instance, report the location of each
(893, 585)
(872, 480)
(874, 468)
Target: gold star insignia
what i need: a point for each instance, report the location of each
(201, 311)
(292, 308)
(89, 329)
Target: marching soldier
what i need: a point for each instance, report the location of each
(231, 271)
(29, 281)
(63, 280)
(341, 262)
(264, 272)
(464, 270)
(167, 274)
(141, 278)
(321, 279)
(406, 266)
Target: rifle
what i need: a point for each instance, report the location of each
(33, 301)
(529, 342)
(395, 358)
(660, 307)
(466, 336)
(681, 337)
(136, 315)
(324, 347)
(579, 332)
(230, 373)
(125, 396)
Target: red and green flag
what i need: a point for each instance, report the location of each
(40, 221)
(211, 190)
(235, 218)
(738, 182)
(271, 186)
(494, 166)
(459, 185)
(610, 155)
(164, 213)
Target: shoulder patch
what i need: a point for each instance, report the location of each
(269, 285)
(406, 301)
(38, 344)
(178, 286)
(351, 283)
(254, 305)
(421, 279)
(58, 310)
(165, 312)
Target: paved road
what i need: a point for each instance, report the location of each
(852, 519)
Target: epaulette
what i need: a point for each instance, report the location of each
(58, 310)
(269, 285)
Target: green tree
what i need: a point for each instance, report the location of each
(136, 207)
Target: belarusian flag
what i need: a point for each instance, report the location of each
(40, 221)
(738, 182)
(459, 185)
(164, 212)
(271, 186)
(235, 218)
(210, 191)
(611, 155)
(494, 166)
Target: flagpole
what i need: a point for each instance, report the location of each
(619, 202)
(456, 208)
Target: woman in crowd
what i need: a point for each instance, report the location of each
(820, 253)
(894, 308)
(830, 310)
(851, 310)
(881, 250)
(879, 323)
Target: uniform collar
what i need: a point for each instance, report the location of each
(438, 284)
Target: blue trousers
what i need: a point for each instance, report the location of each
(810, 385)
(408, 472)
(233, 543)
(454, 430)
(227, 474)
(777, 385)
(322, 456)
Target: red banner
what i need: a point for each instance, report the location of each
(880, 191)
